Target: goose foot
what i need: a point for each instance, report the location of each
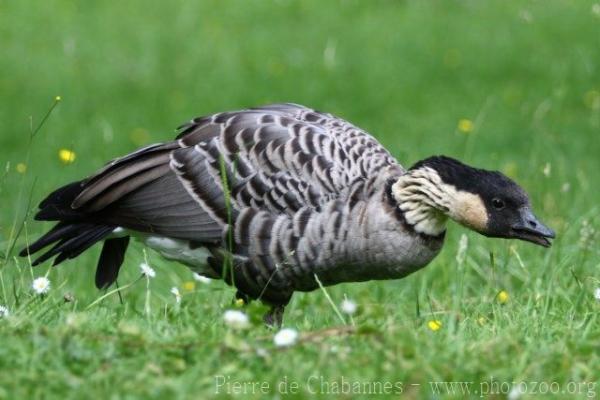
(274, 318)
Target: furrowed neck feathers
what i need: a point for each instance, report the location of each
(427, 202)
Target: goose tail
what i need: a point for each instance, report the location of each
(75, 232)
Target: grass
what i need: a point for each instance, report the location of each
(527, 76)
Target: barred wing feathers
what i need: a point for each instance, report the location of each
(277, 158)
(280, 157)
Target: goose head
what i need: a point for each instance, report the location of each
(487, 202)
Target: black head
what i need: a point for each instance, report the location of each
(489, 202)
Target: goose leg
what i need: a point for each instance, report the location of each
(274, 317)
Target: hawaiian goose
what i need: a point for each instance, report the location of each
(269, 199)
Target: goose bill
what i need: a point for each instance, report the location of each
(532, 230)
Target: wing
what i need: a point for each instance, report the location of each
(278, 158)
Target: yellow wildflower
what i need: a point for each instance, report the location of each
(66, 156)
(21, 168)
(510, 169)
(57, 99)
(434, 325)
(592, 99)
(189, 286)
(503, 297)
(239, 303)
(465, 125)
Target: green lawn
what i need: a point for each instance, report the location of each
(527, 74)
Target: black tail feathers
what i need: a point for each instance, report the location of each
(69, 239)
(75, 232)
(57, 205)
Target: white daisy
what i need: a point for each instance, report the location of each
(176, 293)
(348, 307)
(236, 319)
(41, 285)
(597, 294)
(4, 312)
(147, 270)
(201, 279)
(285, 337)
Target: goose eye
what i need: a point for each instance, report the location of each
(498, 204)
